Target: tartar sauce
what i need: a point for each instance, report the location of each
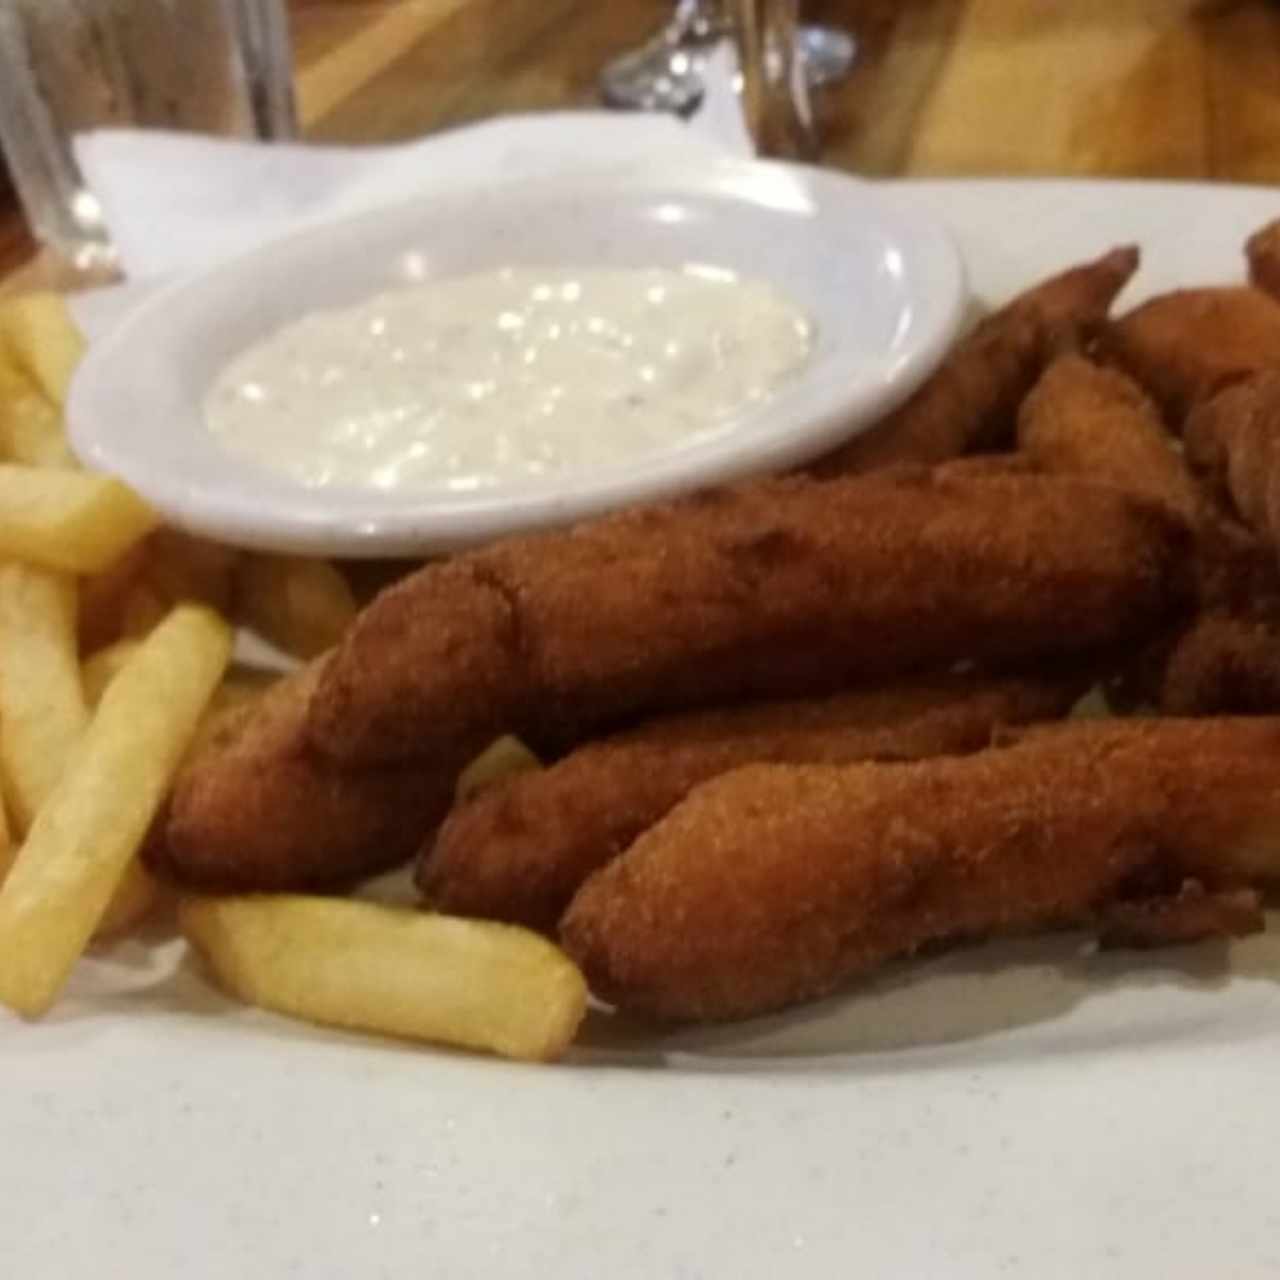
(486, 379)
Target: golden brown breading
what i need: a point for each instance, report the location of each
(1234, 570)
(1187, 345)
(775, 589)
(776, 883)
(521, 848)
(1082, 419)
(1262, 250)
(1223, 665)
(1233, 441)
(969, 402)
(1192, 914)
(976, 465)
(258, 809)
(1230, 663)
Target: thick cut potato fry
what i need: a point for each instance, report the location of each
(44, 340)
(42, 707)
(241, 687)
(95, 819)
(392, 970)
(30, 426)
(76, 521)
(301, 606)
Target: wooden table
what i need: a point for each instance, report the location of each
(1169, 88)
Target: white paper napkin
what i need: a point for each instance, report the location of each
(176, 201)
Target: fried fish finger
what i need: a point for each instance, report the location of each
(1082, 419)
(1232, 440)
(1235, 571)
(259, 810)
(519, 850)
(775, 884)
(1189, 915)
(1088, 420)
(969, 403)
(1185, 346)
(775, 589)
(1223, 665)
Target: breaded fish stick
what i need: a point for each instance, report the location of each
(969, 403)
(1223, 665)
(775, 884)
(1235, 571)
(1218, 662)
(1262, 250)
(1233, 440)
(1185, 346)
(259, 809)
(1189, 915)
(770, 590)
(521, 848)
(1082, 419)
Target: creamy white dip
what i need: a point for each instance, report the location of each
(487, 379)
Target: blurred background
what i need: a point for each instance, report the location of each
(1081, 86)
(1168, 88)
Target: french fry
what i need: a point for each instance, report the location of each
(30, 426)
(392, 970)
(239, 689)
(42, 706)
(76, 521)
(301, 606)
(501, 759)
(96, 817)
(138, 892)
(44, 340)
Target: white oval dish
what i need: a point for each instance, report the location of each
(884, 287)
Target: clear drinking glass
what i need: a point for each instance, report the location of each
(774, 85)
(211, 66)
(666, 73)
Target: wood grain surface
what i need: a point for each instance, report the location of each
(1169, 88)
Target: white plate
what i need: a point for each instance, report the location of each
(884, 288)
(1025, 1109)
